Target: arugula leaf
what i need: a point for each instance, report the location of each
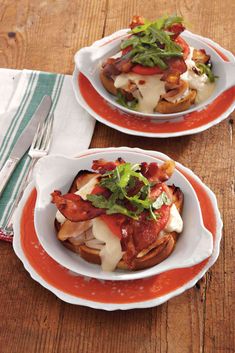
(151, 44)
(171, 20)
(161, 23)
(152, 214)
(109, 184)
(122, 100)
(140, 177)
(205, 69)
(125, 174)
(133, 41)
(135, 167)
(139, 202)
(153, 57)
(120, 209)
(164, 38)
(163, 199)
(141, 28)
(119, 181)
(149, 58)
(98, 201)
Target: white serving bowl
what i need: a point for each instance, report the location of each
(56, 172)
(88, 60)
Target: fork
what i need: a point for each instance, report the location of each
(39, 148)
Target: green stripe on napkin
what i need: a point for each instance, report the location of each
(16, 119)
(38, 85)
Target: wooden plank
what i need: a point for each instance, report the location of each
(44, 35)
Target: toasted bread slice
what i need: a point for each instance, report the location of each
(181, 105)
(108, 83)
(82, 178)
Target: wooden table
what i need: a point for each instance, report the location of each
(44, 35)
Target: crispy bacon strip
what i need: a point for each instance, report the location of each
(139, 235)
(200, 56)
(104, 166)
(136, 21)
(176, 67)
(176, 28)
(74, 208)
(114, 67)
(172, 80)
(154, 173)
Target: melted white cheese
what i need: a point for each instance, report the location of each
(111, 253)
(150, 88)
(200, 83)
(175, 222)
(59, 217)
(189, 61)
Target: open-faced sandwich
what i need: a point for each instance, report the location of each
(155, 70)
(121, 215)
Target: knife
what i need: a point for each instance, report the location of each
(24, 141)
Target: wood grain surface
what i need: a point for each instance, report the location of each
(44, 35)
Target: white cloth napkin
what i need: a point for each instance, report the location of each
(21, 92)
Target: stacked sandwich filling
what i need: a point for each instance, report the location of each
(156, 70)
(120, 213)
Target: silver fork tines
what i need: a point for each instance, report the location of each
(39, 148)
(42, 139)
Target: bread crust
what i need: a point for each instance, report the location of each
(108, 83)
(82, 177)
(183, 104)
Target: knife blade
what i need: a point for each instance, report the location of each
(24, 141)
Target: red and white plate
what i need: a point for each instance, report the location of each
(112, 295)
(186, 124)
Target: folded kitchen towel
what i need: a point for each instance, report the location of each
(21, 92)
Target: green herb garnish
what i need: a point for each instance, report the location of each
(151, 43)
(163, 22)
(206, 69)
(122, 101)
(163, 199)
(119, 182)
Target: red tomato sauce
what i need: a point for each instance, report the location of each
(95, 290)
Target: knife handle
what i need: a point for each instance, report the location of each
(6, 172)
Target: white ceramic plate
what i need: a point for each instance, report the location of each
(57, 173)
(61, 293)
(124, 122)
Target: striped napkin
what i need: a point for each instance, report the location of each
(21, 92)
